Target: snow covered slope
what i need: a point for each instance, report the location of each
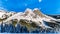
(34, 15)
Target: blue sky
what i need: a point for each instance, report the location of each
(46, 6)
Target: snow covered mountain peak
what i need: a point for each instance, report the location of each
(35, 16)
(35, 9)
(28, 9)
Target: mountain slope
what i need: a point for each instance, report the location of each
(29, 15)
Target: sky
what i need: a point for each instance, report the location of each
(49, 7)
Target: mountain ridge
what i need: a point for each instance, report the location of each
(34, 15)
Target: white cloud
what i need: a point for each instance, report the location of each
(40, 0)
